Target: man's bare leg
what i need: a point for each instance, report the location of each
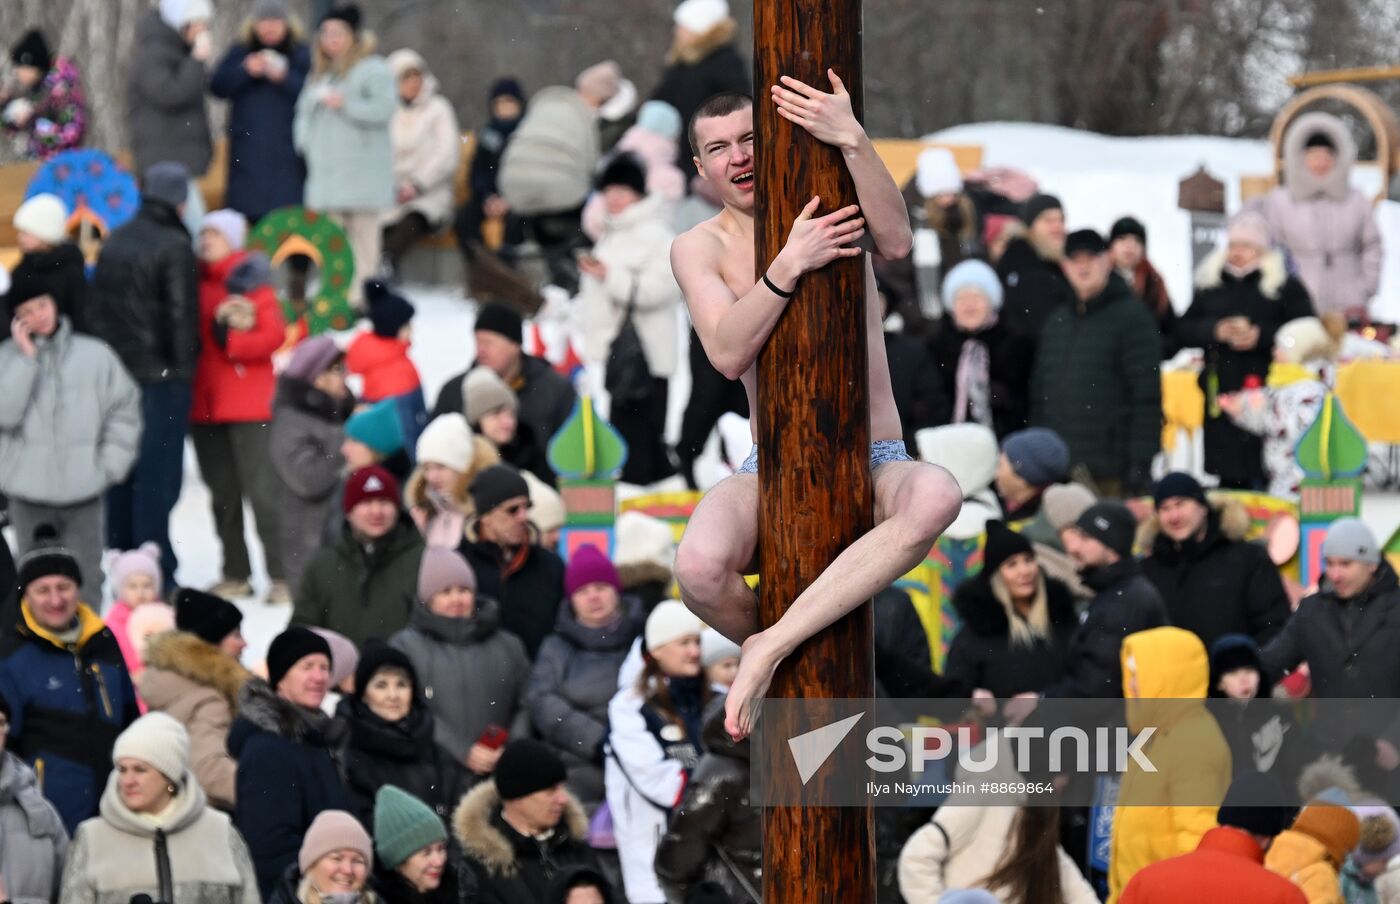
(914, 503)
(716, 552)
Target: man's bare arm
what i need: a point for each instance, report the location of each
(731, 329)
(829, 118)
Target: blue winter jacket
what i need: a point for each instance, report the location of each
(68, 703)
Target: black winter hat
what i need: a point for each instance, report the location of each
(1128, 226)
(349, 13)
(47, 559)
(507, 87)
(1002, 544)
(624, 169)
(289, 647)
(1231, 652)
(499, 319)
(1037, 205)
(527, 766)
(495, 485)
(29, 281)
(210, 618)
(1112, 524)
(1251, 804)
(1084, 241)
(378, 655)
(1178, 483)
(388, 312)
(32, 50)
(1320, 140)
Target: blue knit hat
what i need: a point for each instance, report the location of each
(378, 426)
(660, 117)
(972, 274)
(1038, 455)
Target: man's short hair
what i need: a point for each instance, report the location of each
(719, 105)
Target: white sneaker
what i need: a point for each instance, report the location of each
(279, 594)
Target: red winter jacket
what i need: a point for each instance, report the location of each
(1228, 865)
(385, 365)
(235, 383)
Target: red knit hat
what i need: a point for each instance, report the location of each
(372, 482)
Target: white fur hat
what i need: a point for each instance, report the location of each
(159, 740)
(938, 173)
(968, 451)
(700, 16)
(546, 505)
(644, 540)
(714, 647)
(45, 217)
(670, 621)
(447, 440)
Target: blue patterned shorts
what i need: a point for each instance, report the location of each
(882, 452)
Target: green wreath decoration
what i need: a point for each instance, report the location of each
(296, 230)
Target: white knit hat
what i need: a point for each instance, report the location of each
(700, 16)
(669, 621)
(231, 224)
(45, 217)
(546, 505)
(968, 451)
(1304, 339)
(179, 13)
(159, 740)
(447, 440)
(714, 646)
(644, 540)
(938, 173)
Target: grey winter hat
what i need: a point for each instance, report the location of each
(168, 182)
(270, 9)
(1350, 538)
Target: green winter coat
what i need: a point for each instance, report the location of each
(349, 158)
(362, 593)
(1097, 383)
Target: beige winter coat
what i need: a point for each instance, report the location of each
(427, 145)
(192, 681)
(1327, 227)
(636, 248)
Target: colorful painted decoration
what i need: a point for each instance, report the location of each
(99, 194)
(295, 230)
(587, 454)
(1332, 454)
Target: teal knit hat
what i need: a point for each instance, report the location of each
(378, 427)
(403, 826)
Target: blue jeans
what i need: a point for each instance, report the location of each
(882, 452)
(138, 509)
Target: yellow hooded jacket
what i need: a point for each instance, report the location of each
(1188, 749)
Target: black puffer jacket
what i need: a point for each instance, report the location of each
(982, 655)
(715, 834)
(458, 886)
(1009, 370)
(1035, 288)
(1124, 603)
(145, 296)
(403, 754)
(710, 66)
(1097, 383)
(529, 594)
(1220, 584)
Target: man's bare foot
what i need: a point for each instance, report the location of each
(758, 660)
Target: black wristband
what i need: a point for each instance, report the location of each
(775, 290)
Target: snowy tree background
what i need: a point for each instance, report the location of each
(1122, 67)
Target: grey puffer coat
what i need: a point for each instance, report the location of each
(1327, 227)
(571, 684)
(70, 419)
(472, 673)
(165, 100)
(32, 840)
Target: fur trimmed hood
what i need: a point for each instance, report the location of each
(1301, 183)
(1273, 273)
(296, 33)
(689, 54)
(196, 660)
(1228, 513)
(260, 709)
(473, 823)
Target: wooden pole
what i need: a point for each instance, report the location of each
(813, 435)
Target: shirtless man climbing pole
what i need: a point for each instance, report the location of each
(733, 316)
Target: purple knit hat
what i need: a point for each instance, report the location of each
(145, 559)
(587, 566)
(312, 357)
